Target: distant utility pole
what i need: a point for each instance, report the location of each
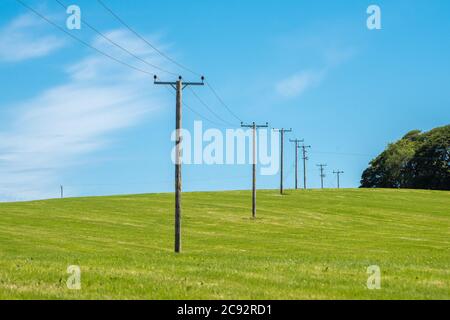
(304, 151)
(296, 141)
(62, 191)
(254, 127)
(179, 85)
(322, 175)
(338, 173)
(282, 131)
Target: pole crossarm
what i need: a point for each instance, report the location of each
(282, 130)
(173, 84)
(304, 147)
(257, 126)
(322, 166)
(297, 142)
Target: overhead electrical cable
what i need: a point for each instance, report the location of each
(82, 41)
(126, 25)
(118, 45)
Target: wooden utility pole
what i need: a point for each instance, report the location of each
(338, 173)
(322, 175)
(178, 86)
(254, 127)
(296, 141)
(304, 163)
(282, 131)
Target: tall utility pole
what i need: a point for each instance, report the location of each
(338, 173)
(304, 163)
(254, 127)
(322, 175)
(62, 191)
(179, 85)
(282, 131)
(296, 141)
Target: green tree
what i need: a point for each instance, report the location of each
(430, 166)
(418, 160)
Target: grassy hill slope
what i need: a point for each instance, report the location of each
(305, 245)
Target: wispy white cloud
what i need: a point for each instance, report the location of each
(336, 56)
(24, 38)
(61, 126)
(297, 84)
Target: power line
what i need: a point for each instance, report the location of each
(128, 183)
(221, 101)
(291, 169)
(197, 113)
(203, 117)
(145, 40)
(149, 64)
(344, 153)
(4, 152)
(126, 25)
(118, 45)
(209, 108)
(82, 41)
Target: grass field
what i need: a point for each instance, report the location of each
(314, 244)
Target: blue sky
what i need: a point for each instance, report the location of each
(70, 116)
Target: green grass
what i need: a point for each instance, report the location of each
(313, 244)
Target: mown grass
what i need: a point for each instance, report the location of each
(314, 244)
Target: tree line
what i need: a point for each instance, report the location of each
(419, 160)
